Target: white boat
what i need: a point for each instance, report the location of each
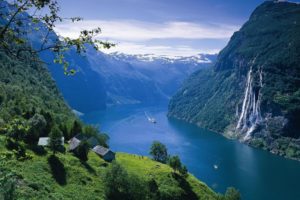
(216, 167)
(150, 119)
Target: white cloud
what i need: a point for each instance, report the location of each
(141, 31)
(134, 37)
(160, 50)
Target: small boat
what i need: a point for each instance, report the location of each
(150, 119)
(216, 167)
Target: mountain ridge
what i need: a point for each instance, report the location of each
(252, 92)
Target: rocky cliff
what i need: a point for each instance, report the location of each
(253, 91)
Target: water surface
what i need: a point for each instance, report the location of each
(258, 174)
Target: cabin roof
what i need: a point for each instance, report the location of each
(74, 143)
(100, 150)
(44, 141)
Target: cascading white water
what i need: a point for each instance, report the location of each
(250, 115)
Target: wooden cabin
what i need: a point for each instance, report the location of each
(104, 153)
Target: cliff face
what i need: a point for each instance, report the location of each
(253, 91)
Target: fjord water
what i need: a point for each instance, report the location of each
(257, 174)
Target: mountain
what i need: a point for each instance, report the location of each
(143, 79)
(26, 88)
(252, 93)
(112, 79)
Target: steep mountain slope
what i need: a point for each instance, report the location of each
(27, 87)
(83, 92)
(252, 93)
(140, 78)
(103, 79)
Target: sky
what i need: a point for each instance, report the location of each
(161, 27)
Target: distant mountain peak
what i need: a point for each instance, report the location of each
(197, 59)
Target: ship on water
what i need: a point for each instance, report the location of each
(150, 119)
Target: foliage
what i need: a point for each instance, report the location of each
(232, 194)
(183, 171)
(175, 163)
(120, 185)
(16, 25)
(17, 129)
(55, 140)
(159, 152)
(27, 89)
(37, 126)
(7, 185)
(82, 151)
(76, 128)
(91, 131)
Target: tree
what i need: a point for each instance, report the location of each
(82, 151)
(14, 30)
(37, 125)
(49, 122)
(76, 128)
(183, 171)
(94, 131)
(175, 163)
(17, 129)
(55, 141)
(66, 133)
(159, 152)
(232, 194)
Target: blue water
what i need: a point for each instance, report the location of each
(257, 174)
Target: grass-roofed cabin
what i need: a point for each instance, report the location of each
(104, 153)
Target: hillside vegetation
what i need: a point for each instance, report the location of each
(252, 92)
(37, 178)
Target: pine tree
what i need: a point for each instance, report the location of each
(55, 141)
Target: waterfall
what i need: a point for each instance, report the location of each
(250, 115)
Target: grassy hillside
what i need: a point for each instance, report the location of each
(37, 178)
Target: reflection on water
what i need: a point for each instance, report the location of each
(257, 174)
